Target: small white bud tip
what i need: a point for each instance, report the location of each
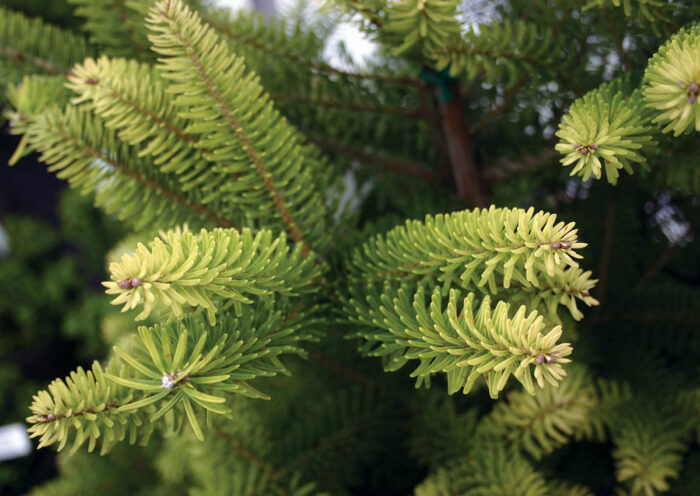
(167, 382)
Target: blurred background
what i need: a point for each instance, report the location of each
(51, 304)
(52, 258)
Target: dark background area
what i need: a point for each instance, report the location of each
(29, 195)
(50, 298)
(51, 303)
(26, 192)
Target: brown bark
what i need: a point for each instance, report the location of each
(459, 146)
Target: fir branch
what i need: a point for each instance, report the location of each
(649, 447)
(105, 407)
(123, 17)
(504, 50)
(133, 99)
(36, 45)
(440, 432)
(672, 82)
(419, 28)
(84, 163)
(563, 289)
(253, 154)
(94, 80)
(490, 470)
(186, 44)
(83, 408)
(452, 247)
(606, 127)
(197, 270)
(115, 25)
(334, 430)
(652, 11)
(29, 99)
(566, 489)
(336, 439)
(475, 295)
(178, 368)
(541, 423)
(465, 343)
(250, 480)
(178, 198)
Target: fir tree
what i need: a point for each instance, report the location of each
(554, 317)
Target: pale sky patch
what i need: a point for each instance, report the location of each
(356, 43)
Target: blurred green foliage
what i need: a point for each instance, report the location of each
(57, 12)
(51, 307)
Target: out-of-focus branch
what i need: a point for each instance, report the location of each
(506, 167)
(336, 147)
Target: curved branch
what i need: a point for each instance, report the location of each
(360, 107)
(253, 154)
(149, 183)
(246, 452)
(32, 61)
(119, 6)
(311, 64)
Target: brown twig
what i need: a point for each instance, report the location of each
(506, 167)
(606, 256)
(246, 452)
(339, 368)
(33, 61)
(360, 107)
(460, 149)
(336, 147)
(618, 40)
(125, 21)
(661, 262)
(429, 108)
